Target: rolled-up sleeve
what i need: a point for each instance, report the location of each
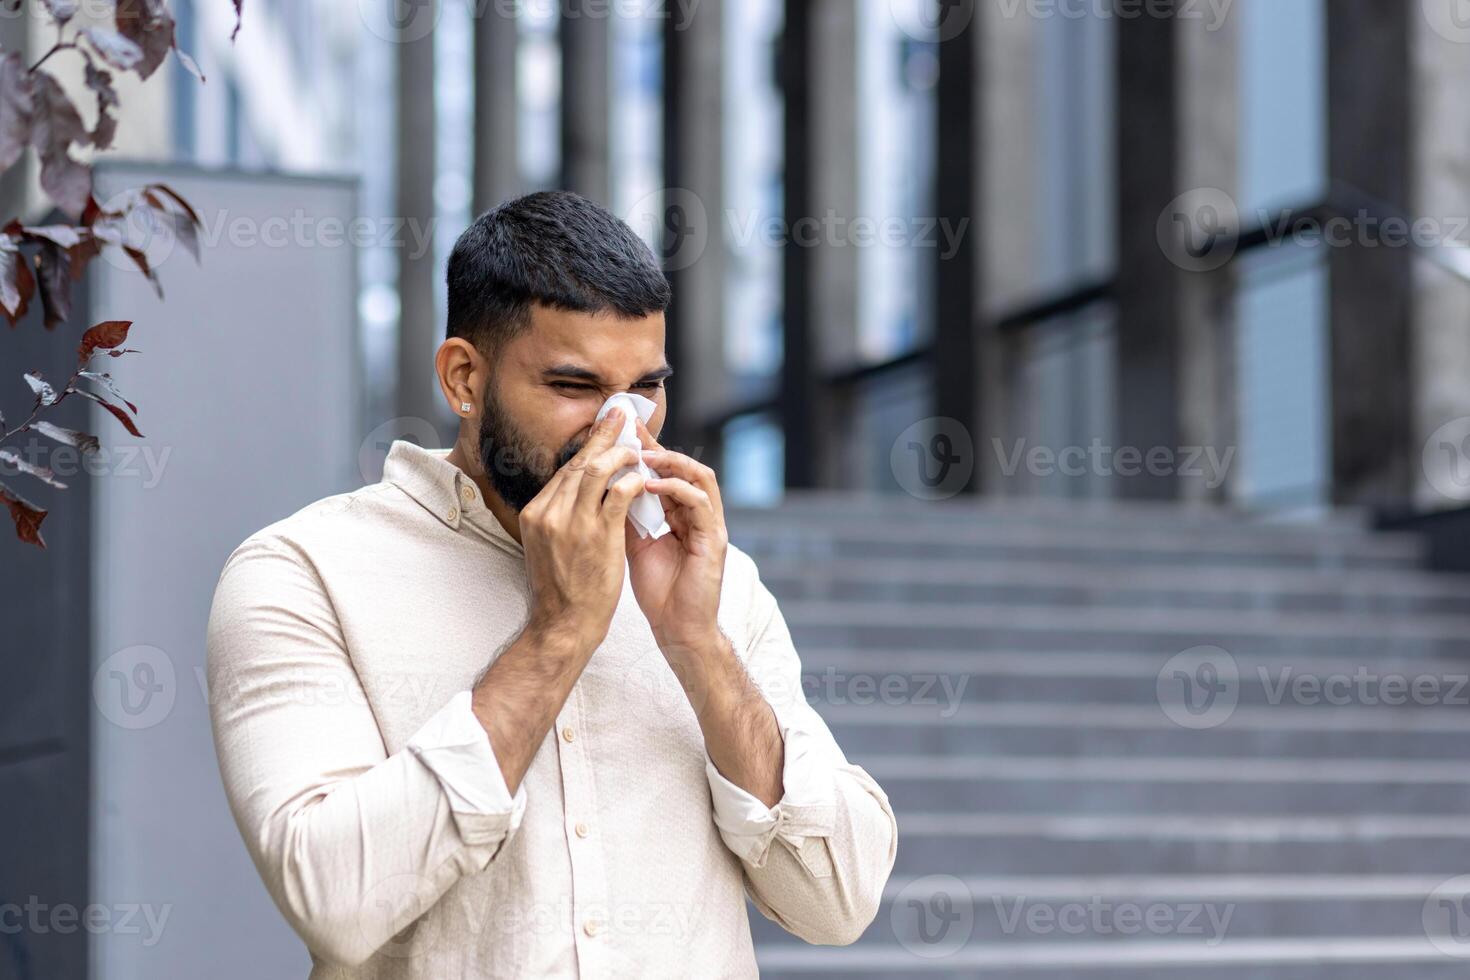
(353, 843)
(815, 863)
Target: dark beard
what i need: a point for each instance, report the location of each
(517, 468)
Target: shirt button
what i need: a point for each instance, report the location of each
(453, 514)
(592, 927)
(467, 492)
(582, 830)
(567, 734)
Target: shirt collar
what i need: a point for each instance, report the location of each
(442, 488)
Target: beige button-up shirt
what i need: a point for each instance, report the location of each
(343, 642)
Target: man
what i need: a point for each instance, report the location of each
(472, 724)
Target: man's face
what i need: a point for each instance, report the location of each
(547, 384)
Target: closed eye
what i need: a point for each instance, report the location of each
(574, 386)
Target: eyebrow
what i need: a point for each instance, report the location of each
(592, 377)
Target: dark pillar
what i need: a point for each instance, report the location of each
(1148, 348)
(46, 704)
(14, 36)
(497, 174)
(694, 246)
(957, 191)
(1369, 134)
(799, 379)
(418, 390)
(586, 104)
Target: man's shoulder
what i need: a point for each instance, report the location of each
(330, 521)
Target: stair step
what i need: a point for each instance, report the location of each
(860, 741)
(1031, 583)
(1207, 910)
(947, 678)
(1356, 958)
(941, 539)
(1342, 721)
(1054, 842)
(930, 625)
(843, 506)
(1143, 785)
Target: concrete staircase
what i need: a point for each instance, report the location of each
(1136, 740)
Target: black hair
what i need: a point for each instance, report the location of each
(555, 248)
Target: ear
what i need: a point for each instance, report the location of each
(462, 374)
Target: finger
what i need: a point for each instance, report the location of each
(668, 463)
(646, 437)
(695, 505)
(596, 474)
(604, 434)
(620, 497)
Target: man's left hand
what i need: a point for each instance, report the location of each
(676, 578)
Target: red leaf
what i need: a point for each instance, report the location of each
(54, 265)
(104, 336)
(27, 516)
(148, 24)
(117, 413)
(141, 261)
(105, 380)
(178, 199)
(55, 127)
(82, 253)
(17, 103)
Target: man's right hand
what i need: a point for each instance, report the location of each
(574, 541)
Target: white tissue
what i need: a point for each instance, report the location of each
(647, 510)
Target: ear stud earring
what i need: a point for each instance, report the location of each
(464, 406)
